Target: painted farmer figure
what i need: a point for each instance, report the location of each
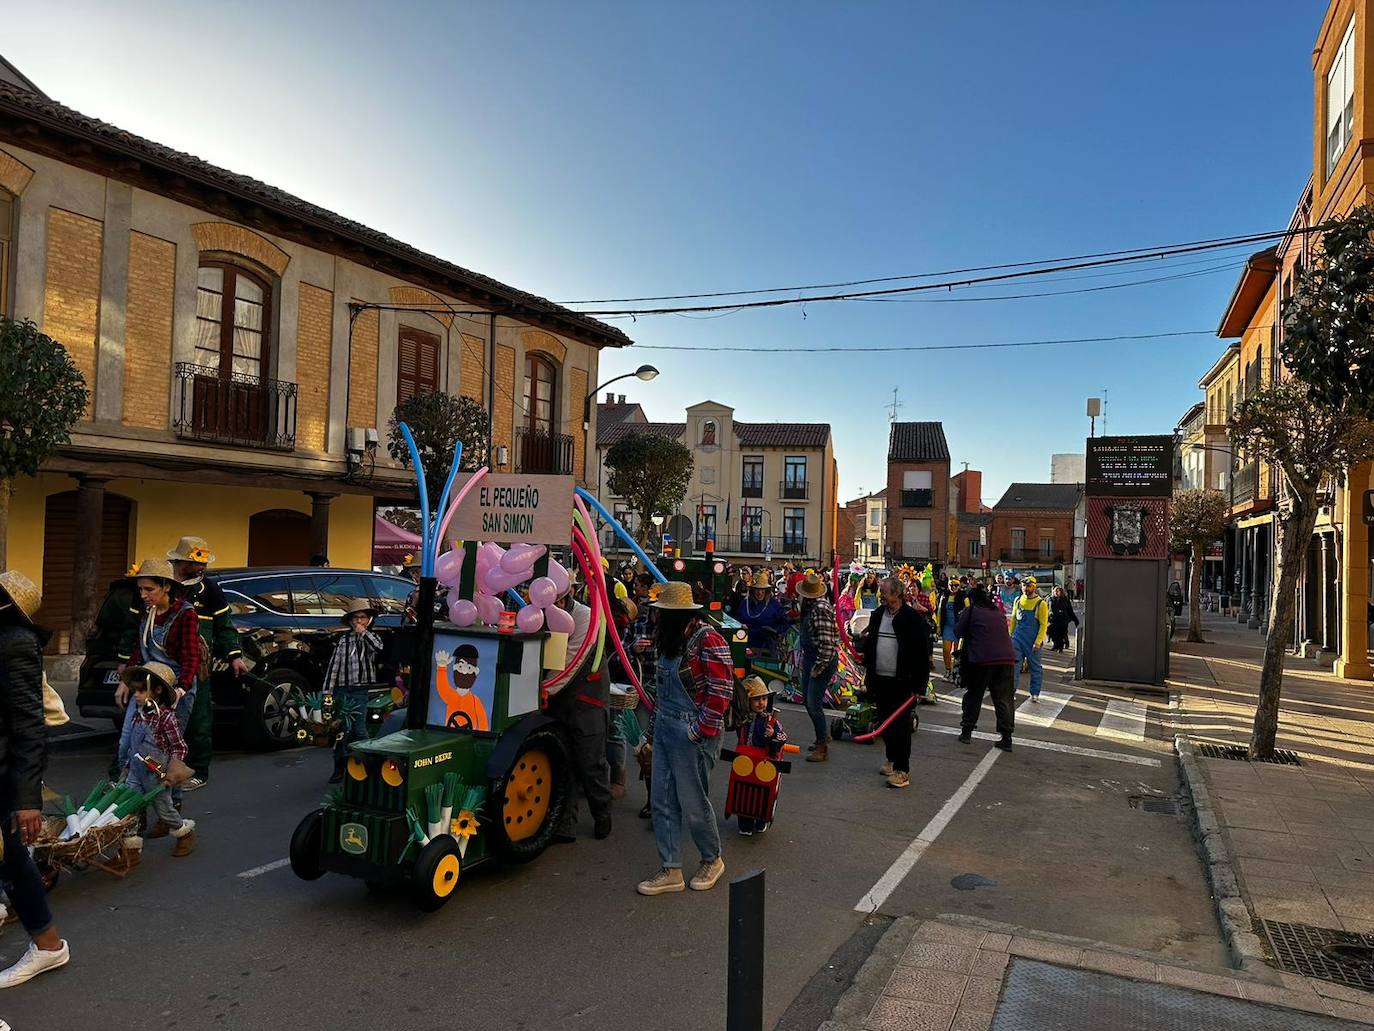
(578, 699)
(1030, 620)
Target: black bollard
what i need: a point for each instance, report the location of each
(744, 984)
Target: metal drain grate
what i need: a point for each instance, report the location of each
(1156, 804)
(1338, 956)
(1282, 756)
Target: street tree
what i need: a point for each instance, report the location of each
(1309, 443)
(651, 473)
(437, 421)
(42, 395)
(1197, 518)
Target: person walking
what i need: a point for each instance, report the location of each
(1061, 615)
(896, 653)
(820, 643)
(868, 592)
(1009, 590)
(157, 737)
(695, 687)
(578, 699)
(352, 667)
(986, 657)
(1030, 620)
(23, 757)
(190, 559)
(947, 609)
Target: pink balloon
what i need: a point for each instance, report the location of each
(496, 582)
(489, 554)
(521, 558)
(462, 612)
(559, 576)
(448, 567)
(529, 619)
(543, 593)
(488, 608)
(560, 620)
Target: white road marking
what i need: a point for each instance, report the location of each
(902, 865)
(1123, 719)
(258, 871)
(1043, 712)
(1052, 746)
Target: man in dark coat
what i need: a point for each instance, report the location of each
(896, 654)
(23, 756)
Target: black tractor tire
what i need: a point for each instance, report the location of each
(266, 725)
(838, 729)
(542, 767)
(436, 874)
(306, 842)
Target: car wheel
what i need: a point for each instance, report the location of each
(436, 874)
(267, 724)
(306, 842)
(526, 804)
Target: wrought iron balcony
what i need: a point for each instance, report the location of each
(235, 409)
(539, 451)
(920, 498)
(795, 490)
(751, 489)
(1245, 484)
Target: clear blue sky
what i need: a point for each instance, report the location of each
(590, 150)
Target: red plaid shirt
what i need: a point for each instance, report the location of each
(166, 732)
(182, 644)
(713, 680)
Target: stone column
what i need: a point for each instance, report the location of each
(86, 588)
(1243, 560)
(319, 522)
(1354, 592)
(1256, 580)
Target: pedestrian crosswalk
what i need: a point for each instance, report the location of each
(1118, 719)
(1044, 712)
(1124, 720)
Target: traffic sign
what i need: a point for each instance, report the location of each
(1369, 508)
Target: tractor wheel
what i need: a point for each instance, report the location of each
(306, 843)
(525, 805)
(837, 729)
(436, 874)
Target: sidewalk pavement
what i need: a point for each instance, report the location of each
(958, 974)
(1298, 841)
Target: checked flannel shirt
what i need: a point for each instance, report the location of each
(182, 644)
(354, 662)
(820, 631)
(711, 671)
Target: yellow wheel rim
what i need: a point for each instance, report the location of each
(765, 771)
(446, 876)
(527, 795)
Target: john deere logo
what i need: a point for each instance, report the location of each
(353, 838)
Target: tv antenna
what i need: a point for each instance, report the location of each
(892, 416)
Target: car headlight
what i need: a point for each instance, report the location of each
(393, 774)
(765, 771)
(743, 765)
(356, 769)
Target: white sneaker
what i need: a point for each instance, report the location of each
(34, 962)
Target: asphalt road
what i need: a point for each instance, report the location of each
(567, 943)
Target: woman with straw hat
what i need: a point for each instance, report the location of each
(695, 687)
(762, 614)
(23, 753)
(820, 643)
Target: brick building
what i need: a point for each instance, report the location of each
(970, 521)
(1032, 526)
(917, 492)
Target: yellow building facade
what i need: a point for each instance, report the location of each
(245, 351)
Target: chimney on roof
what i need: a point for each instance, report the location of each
(610, 397)
(622, 399)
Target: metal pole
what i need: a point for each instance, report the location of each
(744, 984)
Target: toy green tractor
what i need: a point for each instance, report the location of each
(479, 774)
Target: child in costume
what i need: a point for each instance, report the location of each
(156, 738)
(751, 797)
(352, 667)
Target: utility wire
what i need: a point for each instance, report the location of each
(929, 347)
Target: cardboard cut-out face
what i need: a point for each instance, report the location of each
(463, 685)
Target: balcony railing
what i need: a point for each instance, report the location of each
(925, 551)
(1245, 484)
(726, 544)
(1033, 556)
(539, 451)
(795, 490)
(920, 498)
(235, 409)
(751, 489)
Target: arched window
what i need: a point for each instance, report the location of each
(6, 247)
(708, 433)
(232, 321)
(541, 382)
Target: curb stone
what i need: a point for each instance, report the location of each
(1238, 929)
(860, 997)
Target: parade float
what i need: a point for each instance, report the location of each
(479, 773)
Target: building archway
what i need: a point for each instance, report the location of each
(59, 558)
(279, 537)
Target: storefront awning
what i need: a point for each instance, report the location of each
(391, 544)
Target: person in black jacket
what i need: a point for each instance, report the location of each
(1061, 614)
(23, 755)
(896, 654)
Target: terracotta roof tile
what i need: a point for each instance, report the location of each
(917, 442)
(1060, 497)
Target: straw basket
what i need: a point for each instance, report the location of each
(623, 696)
(90, 849)
(321, 735)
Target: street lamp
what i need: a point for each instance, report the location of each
(644, 372)
(658, 528)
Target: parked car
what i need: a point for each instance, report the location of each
(287, 619)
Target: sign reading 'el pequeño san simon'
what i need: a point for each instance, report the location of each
(506, 508)
(1130, 467)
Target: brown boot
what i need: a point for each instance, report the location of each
(185, 836)
(130, 852)
(618, 783)
(160, 830)
(819, 754)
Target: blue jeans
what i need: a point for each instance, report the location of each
(813, 692)
(183, 718)
(22, 881)
(681, 786)
(1027, 650)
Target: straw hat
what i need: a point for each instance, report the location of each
(192, 549)
(762, 581)
(160, 670)
(676, 595)
(355, 605)
(24, 593)
(156, 569)
(812, 586)
(631, 609)
(755, 687)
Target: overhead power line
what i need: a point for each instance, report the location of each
(929, 347)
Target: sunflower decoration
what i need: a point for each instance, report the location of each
(466, 824)
(199, 555)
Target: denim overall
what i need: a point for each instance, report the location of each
(1025, 628)
(681, 778)
(153, 647)
(947, 620)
